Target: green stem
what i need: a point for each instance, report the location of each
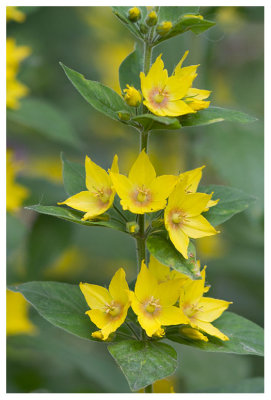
(120, 213)
(148, 389)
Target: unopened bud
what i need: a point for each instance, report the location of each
(132, 227)
(132, 96)
(151, 19)
(143, 28)
(134, 14)
(124, 115)
(164, 28)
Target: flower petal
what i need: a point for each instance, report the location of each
(147, 321)
(162, 186)
(192, 291)
(172, 316)
(194, 203)
(142, 171)
(193, 333)
(99, 317)
(115, 166)
(83, 201)
(197, 227)
(118, 288)
(168, 292)
(198, 94)
(96, 177)
(191, 179)
(96, 296)
(176, 108)
(211, 330)
(146, 284)
(211, 309)
(157, 269)
(123, 187)
(115, 323)
(179, 239)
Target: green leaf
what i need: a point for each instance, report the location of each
(47, 240)
(143, 363)
(173, 14)
(73, 176)
(232, 201)
(162, 249)
(122, 14)
(150, 121)
(212, 115)
(75, 216)
(130, 69)
(184, 24)
(62, 304)
(101, 97)
(245, 336)
(46, 119)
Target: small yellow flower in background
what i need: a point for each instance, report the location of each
(164, 28)
(108, 307)
(16, 194)
(172, 96)
(12, 13)
(183, 219)
(134, 14)
(15, 89)
(192, 16)
(190, 181)
(18, 321)
(163, 385)
(200, 310)
(100, 194)
(153, 303)
(142, 191)
(132, 96)
(46, 167)
(163, 273)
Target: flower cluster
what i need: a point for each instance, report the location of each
(15, 55)
(144, 192)
(161, 297)
(169, 95)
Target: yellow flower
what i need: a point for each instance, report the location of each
(164, 27)
(163, 273)
(142, 191)
(172, 96)
(16, 193)
(108, 307)
(134, 14)
(132, 96)
(183, 219)
(153, 303)
(14, 14)
(15, 55)
(151, 19)
(15, 89)
(190, 181)
(18, 321)
(200, 310)
(100, 194)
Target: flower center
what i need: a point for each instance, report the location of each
(152, 305)
(177, 217)
(158, 98)
(102, 194)
(142, 194)
(113, 309)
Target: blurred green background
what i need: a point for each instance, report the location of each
(54, 118)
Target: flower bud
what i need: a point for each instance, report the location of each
(132, 227)
(134, 14)
(151, 19)
(124, 115)
(164, 28)
(143, 28)
(132, 96)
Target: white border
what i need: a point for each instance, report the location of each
(53, 3)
